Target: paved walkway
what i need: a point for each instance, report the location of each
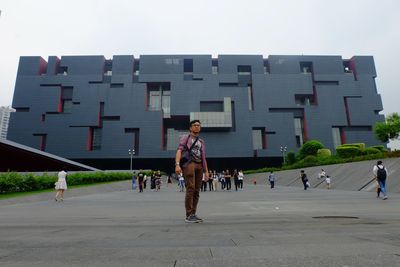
(286, 226)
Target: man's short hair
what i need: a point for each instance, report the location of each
(379, 162)
(193, 122)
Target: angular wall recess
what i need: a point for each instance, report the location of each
(219, 120)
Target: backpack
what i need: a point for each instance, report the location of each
(381, 173)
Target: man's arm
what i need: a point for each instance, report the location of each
(178, 156)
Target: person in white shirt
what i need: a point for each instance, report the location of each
(215, 180)
(381, 173)
(61, 185)
(322, 174)
(241, 178)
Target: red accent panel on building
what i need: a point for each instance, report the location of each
(346, 106)
(43, 142)
(42, 67)
(305, 131)
(89, 146)
(315, 100)
(99, 117)
(342, 136)
(264, 138)
(60, 102)
(352, 66)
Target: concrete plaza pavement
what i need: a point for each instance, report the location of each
(258, 226)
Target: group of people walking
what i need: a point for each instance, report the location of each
(222, 180)
(141, 180)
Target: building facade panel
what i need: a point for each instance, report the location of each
(94, 109)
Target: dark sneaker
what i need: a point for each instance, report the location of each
(197, 218)
(191, 219)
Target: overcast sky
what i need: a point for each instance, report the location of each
(129, 27)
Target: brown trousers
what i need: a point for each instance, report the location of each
(193, 174)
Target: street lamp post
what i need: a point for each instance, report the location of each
(283, 151)
(131, 152)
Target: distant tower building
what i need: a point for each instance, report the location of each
(4, 120)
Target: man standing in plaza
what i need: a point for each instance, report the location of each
(191, 159)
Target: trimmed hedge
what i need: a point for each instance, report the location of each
(12, 182)
(361, 146)
(380, 148)
(348, 151)
(371, 150)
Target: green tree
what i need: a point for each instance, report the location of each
(390, 129)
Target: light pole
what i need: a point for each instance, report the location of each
(283, 151)
(131, 152)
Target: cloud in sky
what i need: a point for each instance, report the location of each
(291, 27)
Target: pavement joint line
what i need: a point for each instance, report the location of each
(234, 242)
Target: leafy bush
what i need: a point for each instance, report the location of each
(324, 153)
(310, 148)
(310, 160)
(290, 158)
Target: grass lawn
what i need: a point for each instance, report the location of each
(23, 194)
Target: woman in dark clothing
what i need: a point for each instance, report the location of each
(304, 179)
(236, 179)
(228, 180)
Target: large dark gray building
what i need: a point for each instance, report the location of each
(92, 109)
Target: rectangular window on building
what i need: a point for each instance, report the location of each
(166, 103)
(135, 138)
(62, 70)
(266, 66)
(244, 70)
(173, 138)
(211, 106)
(108, 67)
(136, 67)
(250, 97)
(214, 66)
(304, 100)
(67, 106)
(188, 65)
(97, 134)
(337, 141)
(159, 97)
(257, 139)
(306, 67)
(154, 100)
(298, 128)
(66, 99)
